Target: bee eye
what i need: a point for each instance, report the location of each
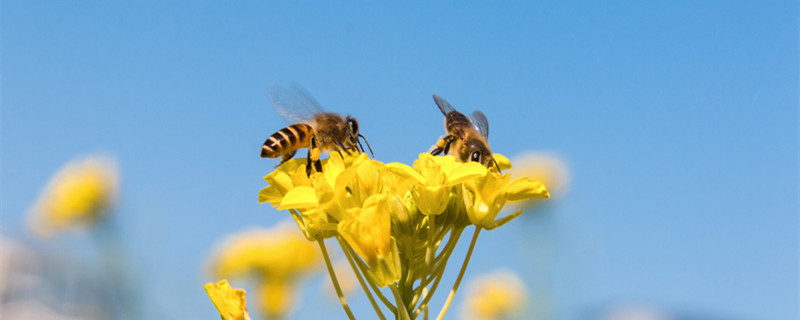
(353, 126)
(476, 156)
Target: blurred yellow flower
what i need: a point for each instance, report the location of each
(80, 193)
(276, 259)
(230, 303)
(277, 297)
(498, 295)
(549, 168)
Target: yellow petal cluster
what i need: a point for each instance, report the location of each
(485, 196)
(78, 195)
(385, 212)
(498, 295)
(368, 231)
(231, 303)
(276, 259)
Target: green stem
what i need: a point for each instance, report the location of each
(360, 278)
(439, 271)
(460, 275)
(428, 258)
(445, 229)
(408, 278)
(441, 258)
(114, 257)
(451, 244)
(342, 300)
(429, 250)
(402, 311)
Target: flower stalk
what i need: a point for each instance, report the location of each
(335, 281)
(460, 275)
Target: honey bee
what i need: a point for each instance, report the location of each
(466, 136)
(312, 128)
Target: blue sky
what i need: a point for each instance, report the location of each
(678, 120)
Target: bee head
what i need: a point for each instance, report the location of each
(353, 135)
(351, 130)
(479, 152)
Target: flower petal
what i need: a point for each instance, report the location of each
(526, 188)
(404, 171)
(502, 161)
(368, 229)
(280, 180)
(465, 172)
(231, 303)
(270, 194)
(299, 198)
(431, 200)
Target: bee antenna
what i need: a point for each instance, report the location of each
(365, 141)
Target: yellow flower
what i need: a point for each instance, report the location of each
(497, 295)
(78, 195)
(485, 196)
(276, 258)
(368, 231)
(277, 297)
(323, 198)
(433, 177)
(231, 303)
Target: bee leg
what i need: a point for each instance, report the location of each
(341, 147)
(447, 146)
(438, 147)
(285, 157)
(318, 165)
(308, 163)
(362, 147)
(313, 153)
(443, 145)
(313, 157)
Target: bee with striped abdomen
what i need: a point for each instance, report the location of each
(312, 128)
(466, 136)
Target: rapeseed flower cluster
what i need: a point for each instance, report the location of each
(80, 194)
(396, 224)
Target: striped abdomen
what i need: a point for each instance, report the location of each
(288, 139)
(456, 123)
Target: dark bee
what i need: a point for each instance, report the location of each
(312, 128)
(466, 136)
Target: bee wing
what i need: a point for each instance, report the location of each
(444, 106)
(479, 121)
(293, 103)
